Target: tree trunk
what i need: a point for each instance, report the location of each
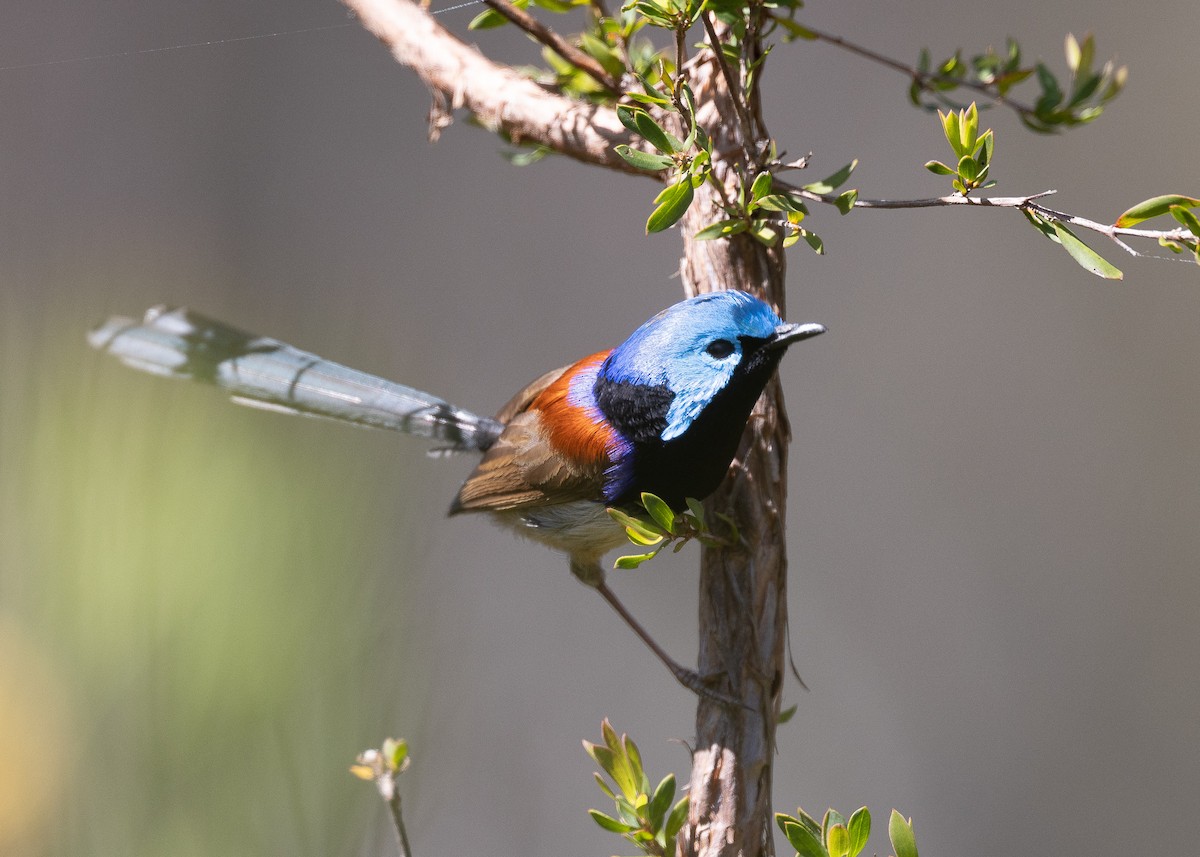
(743, 610)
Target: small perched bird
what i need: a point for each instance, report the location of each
(662, 412)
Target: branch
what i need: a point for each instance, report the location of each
(923, 79)
(1023, 203)
(500, 98)
(735, 91)
(556, 43)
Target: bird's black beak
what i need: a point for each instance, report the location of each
(786, 334)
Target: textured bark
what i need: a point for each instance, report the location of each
(743, 610)
(499, 97)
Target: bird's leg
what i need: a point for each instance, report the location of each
(592, 575)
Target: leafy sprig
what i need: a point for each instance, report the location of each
(835, 836)
(649, 819)
(1084, 96)
(662, 526)
(972, 150)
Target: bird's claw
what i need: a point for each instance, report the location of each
(701, 685)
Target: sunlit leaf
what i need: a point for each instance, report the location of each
(834, 181)
(803, 840)
(609, 823)
(900, 831)
(1087, 258)
(672, 203)
(659, 511)
(860, 830)
(1154, 207)
(643, 160)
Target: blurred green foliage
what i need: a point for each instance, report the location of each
(186, 660)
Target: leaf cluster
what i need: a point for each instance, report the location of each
(767, 213)
(649, 819)
(662, 526)
(972, 150)
(1187, 237)
(1081, 99)
(1177, 206)
(384, 765)
(837, 837)
(689, 159)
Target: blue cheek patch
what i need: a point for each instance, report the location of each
(698, 390)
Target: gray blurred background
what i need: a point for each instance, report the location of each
(206, 611)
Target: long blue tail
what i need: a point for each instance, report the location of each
(266, 373)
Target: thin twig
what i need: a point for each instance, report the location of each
(922, 79)
(739, 107)
(398, 823)
(1024, 203)
(556, 43)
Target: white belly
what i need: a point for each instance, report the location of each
(582, 528)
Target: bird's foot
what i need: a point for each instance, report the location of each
(701, 685)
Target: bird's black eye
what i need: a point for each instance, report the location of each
(719, 348)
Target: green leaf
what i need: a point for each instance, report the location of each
(525, 157)
(1074, 54)
(1189, 220)
(786, 715)
(832, 817)
(644, 160)
(634, 560)
(1041, 225)
(676, 819)
(951, 130)
(655, 134)
(634, 755)
(801, 817)
(845, 201)
(763, 232)
(783, 202)
(626, 115)
(803, 840)
(969, 128)
(661, 802)
(696, 508)
(487, 20)
(609, 823)
(938, 168)
(835, 181)
(647, 98)
(900, 831)
(968, 169)
(1088, 258)
(720, 229)
(814, 241)
(838, 840)
(646, 530)
(659, 511)
(396, 751)
(601, 51)
(761, 186)
(639, 538)
(1153, 207)
(603, 785)
(672, 203)
(860, 830)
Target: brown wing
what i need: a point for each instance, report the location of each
(529, 464)
(522, 400)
